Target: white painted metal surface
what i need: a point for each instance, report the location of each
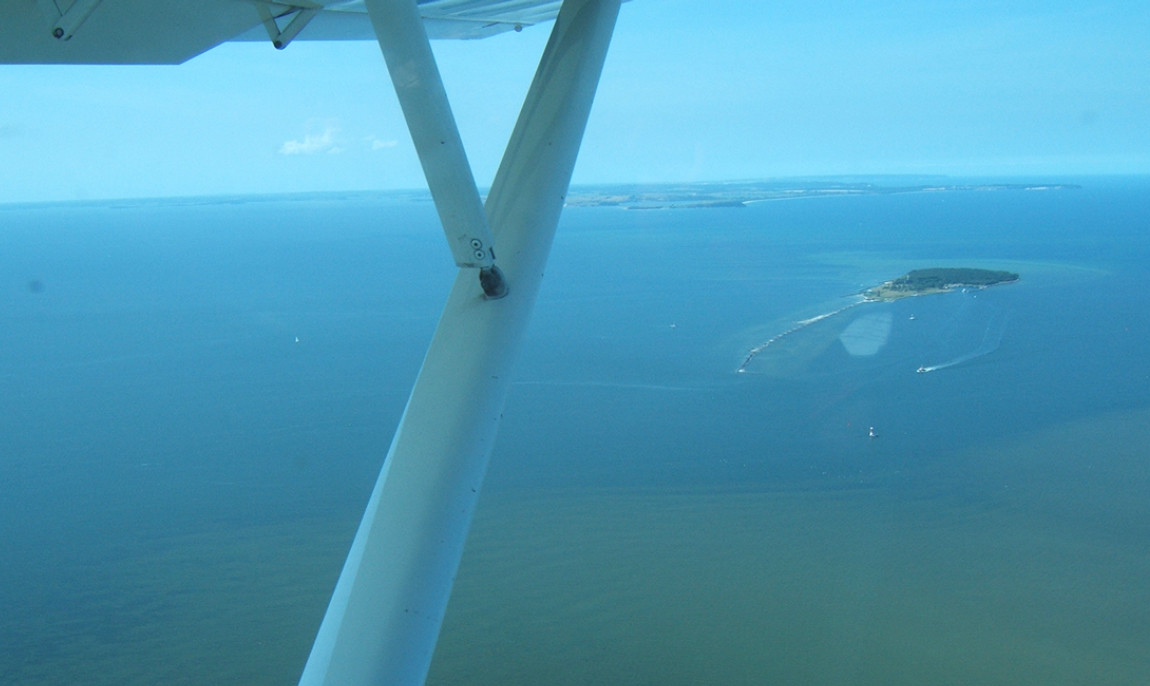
(173, 31)
(384, 617)
(407, 51)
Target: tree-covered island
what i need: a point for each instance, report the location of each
(937, 280)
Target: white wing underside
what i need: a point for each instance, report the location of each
(174, 31)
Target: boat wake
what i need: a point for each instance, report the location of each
(991, 339)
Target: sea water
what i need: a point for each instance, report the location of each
(197, 396)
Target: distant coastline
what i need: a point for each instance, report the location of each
(715, 195)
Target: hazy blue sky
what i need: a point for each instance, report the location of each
(693, 91)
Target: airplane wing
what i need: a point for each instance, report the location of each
(174, 31)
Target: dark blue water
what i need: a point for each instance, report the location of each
(195, 398)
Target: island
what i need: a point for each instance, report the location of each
(937, 280)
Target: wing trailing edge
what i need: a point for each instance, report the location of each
(174, 31)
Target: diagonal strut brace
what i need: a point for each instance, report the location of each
(383, 620)
(407, 51)
(67, 15)
(300, 17)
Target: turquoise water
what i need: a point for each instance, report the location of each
(197, 396)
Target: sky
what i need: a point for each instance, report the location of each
(692, 91)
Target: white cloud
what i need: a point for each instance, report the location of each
(377, 144)
(313, 143)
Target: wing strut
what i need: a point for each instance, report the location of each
(67, 16)
(415, 76)
(385, 613)
(300, 17)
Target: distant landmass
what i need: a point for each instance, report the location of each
(740, 194)
(937, 280)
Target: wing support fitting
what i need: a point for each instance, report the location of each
(300, 16)
(385, 613)
(67, 16)
(415, 76)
